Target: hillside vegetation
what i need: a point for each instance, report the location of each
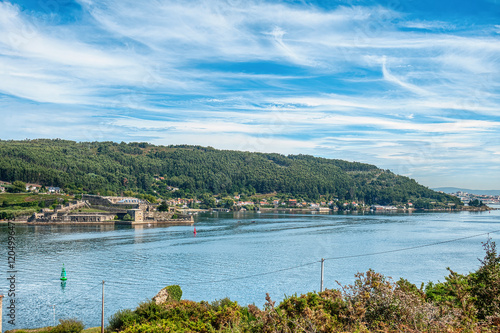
(108, 167)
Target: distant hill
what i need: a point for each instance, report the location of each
(456, 189)
(108, 168)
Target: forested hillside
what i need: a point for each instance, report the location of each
(105, 167)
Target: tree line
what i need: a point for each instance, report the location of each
(190, 171)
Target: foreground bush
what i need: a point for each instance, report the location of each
(68, 326)
(373, 303)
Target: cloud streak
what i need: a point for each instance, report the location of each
(380, 85)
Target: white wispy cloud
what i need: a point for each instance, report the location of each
(356, 82)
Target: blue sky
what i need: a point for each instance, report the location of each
(410, 86)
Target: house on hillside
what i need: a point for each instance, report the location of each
(54, 189)
(2, 189)
(33, 188)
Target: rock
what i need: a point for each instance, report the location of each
(171, 293)
(162, 297)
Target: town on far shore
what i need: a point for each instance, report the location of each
(466, 198)
(38, 204)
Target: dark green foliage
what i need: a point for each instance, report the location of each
(68, 326)
(127, 217)
(476, 203)
(6, 216)
(17, 187)
(163, 207)
(175, 292)
(476, 295)
(108, 167)
(485, 283)
(121, 319)
(150, 311)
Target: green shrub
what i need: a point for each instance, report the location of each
(175, 292)
(221, 303)
(485, 283)
(68, 326)
(150, 311)
(476, 296)
(122, 319)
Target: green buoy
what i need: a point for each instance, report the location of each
(63, 274)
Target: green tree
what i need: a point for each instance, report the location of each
(474, 203)
(228, 203)
(18, 186)
(208, 200)
(163, 207)
(486, 283)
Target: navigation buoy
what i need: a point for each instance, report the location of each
(194, 232)
(63, 274)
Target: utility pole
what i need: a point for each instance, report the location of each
(1, 314)
(322, 270)
(102, 309)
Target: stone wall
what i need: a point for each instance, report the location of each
(72, 206)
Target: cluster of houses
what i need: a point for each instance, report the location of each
(486, 199)
(34, 188)
(185, 203)
(290, 203)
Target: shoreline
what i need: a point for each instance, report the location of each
(367, 209)
(130, 223)
(190, 220)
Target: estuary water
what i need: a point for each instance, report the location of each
(242, 256)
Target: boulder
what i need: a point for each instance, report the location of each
(168, 294)
(162, 297)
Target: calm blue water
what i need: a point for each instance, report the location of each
(137, 262)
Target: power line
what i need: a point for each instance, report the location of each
(237, 277)
(344, 257)
(255, 275)
(121, 282)
(411, 247)
(319, 261)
